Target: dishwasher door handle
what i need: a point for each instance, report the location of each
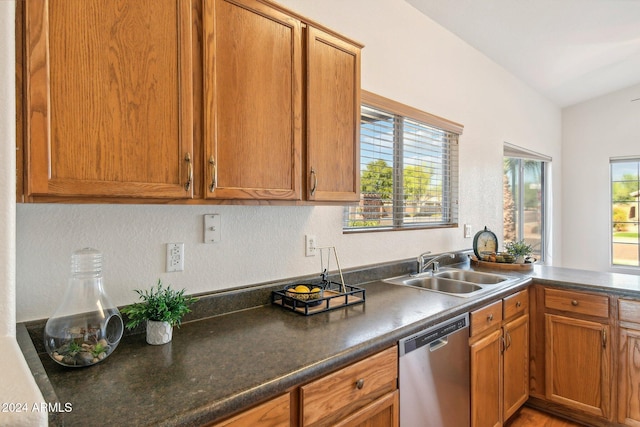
(438, 344)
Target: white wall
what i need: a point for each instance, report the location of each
(7, 171)
(408, 58)
(592, 133)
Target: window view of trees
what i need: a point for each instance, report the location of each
(420, 196)
(408, 173)
(523, 203)
(408, 169)
(625, 195)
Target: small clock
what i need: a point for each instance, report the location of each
(484, 241)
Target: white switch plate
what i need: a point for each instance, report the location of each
(467, 230)
(212, 228)
(310, 246)
(175, 257)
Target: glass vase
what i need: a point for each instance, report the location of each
(86, 328)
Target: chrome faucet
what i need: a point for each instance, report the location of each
(433, 263)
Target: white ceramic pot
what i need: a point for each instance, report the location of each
(159, 332)
(520, 259)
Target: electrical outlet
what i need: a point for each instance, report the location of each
(467, 230)
(175, 257)
(310, 246)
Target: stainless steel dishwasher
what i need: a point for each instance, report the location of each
(434, 376)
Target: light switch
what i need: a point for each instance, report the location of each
(212, 228)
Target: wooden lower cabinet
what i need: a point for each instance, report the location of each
(486, 381)
(499, 360)
(628, 358)
(383, 412)
(573, 335)
(515, 365)
(273, 413)
(361, 394)
(578, 364)
(578, 352)
(629, 377)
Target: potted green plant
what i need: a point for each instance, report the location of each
(162, 308)
(520, 249)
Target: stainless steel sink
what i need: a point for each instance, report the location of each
(471, 276)
(442, 285)
(453, 281)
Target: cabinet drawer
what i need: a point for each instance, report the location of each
(274, 413)
(516, 304)
(577, 302)
(629, 310)
(486, 318)
(343, 392)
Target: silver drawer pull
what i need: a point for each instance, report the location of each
(574, 303)
(360, 383)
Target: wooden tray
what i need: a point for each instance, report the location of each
(528, 266)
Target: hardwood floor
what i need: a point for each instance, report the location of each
(528, 417)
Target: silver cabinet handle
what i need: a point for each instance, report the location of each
(214, 172)
(187, 159)
(360, 383)
(315, 181)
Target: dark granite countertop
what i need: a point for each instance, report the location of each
(222, 364)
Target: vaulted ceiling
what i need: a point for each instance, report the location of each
(568, 50)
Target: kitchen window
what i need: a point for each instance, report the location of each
(625, 197)
(408, 169)
(525, 198)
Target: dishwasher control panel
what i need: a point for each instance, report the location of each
(440, 331)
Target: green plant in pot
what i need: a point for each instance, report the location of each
(162, 308)
(520, 250)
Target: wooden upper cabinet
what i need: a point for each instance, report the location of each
(333, 118)
(108, 98)
(253, 101)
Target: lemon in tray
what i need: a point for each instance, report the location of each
(306, 293)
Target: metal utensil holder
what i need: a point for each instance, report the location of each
(324, 271)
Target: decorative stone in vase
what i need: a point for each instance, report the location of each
(86, 327)
(159, 333)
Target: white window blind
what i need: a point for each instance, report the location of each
(408, 169)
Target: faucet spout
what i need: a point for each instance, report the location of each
(433, 263)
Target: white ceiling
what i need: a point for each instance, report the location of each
(568, 50)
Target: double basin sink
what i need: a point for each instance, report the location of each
(453, 281)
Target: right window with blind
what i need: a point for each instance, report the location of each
(625, 197)
(408, 169)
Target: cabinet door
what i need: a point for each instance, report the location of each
(109, 98)
(578, 364)
(253, 101)
(629, 380)
(486, 381)
(333, 118)
(383, 412)
(515, 365)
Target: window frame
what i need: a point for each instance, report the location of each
(612, 220)
(405, 112)
(522, 155)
